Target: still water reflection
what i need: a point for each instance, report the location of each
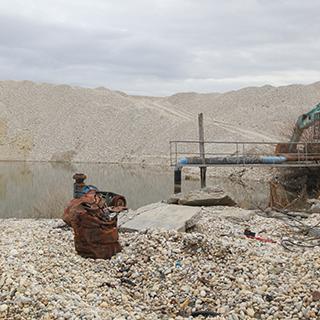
(41, 190)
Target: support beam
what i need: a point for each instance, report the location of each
(203, 170)
(177, 179)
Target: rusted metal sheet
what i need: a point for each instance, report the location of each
(301, 157)
(282, 198)
(94, 226)
(95, 238)
(278, 196)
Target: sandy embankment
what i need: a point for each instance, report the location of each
(46, 122)
(160, 275)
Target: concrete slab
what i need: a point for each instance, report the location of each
(161, 216)
(205, 197)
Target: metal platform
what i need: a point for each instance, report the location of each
(256, 165)
(305, 154)
(203, 154)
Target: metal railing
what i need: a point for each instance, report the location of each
(305, 154)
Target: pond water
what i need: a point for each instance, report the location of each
(41, 190)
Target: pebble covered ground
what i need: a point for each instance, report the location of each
(163, 274)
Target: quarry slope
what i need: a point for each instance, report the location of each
(47, 122)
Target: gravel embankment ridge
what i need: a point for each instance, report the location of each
(159, 274)
(46, 122)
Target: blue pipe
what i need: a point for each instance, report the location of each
(273, 159)
(233, 160)
(183, 161)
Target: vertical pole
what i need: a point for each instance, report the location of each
(177, 179)
(176, 151)
(203, 170)
(78, 184)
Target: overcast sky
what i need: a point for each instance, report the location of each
(159, 47)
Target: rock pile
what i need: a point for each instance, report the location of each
(160, 274)
(210, 196)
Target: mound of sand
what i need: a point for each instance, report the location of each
(62, 123)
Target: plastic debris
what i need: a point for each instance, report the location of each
(252, 235)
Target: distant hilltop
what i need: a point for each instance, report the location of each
(47, 122)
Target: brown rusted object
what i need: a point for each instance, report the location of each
(278, 196)
(301, 157)
(79, 177)
(298, 152)
(283, 148)
(70, 211)
(95, 236)
(78, 184)
(281, 198)
(118, 201)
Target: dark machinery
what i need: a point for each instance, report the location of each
(305, 121)
(112, 199)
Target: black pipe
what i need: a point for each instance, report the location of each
(177, 179)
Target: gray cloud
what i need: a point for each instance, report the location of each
(161, 46)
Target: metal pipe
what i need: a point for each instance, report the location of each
(78, 184)
(177, 179)
(233, 160)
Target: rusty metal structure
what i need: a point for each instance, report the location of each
(185, 153)
(306, 158)
(92, 214)
(316, 129)
(112, 199)
(94, 226)
(292, 154)
(243, 154)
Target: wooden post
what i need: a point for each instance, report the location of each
(177, 179)
(203, 170)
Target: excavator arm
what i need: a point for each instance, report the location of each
(304, 122)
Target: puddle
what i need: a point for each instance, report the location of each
(41, 190)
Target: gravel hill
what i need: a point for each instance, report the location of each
(45, 122)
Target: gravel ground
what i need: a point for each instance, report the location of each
(161, 274)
